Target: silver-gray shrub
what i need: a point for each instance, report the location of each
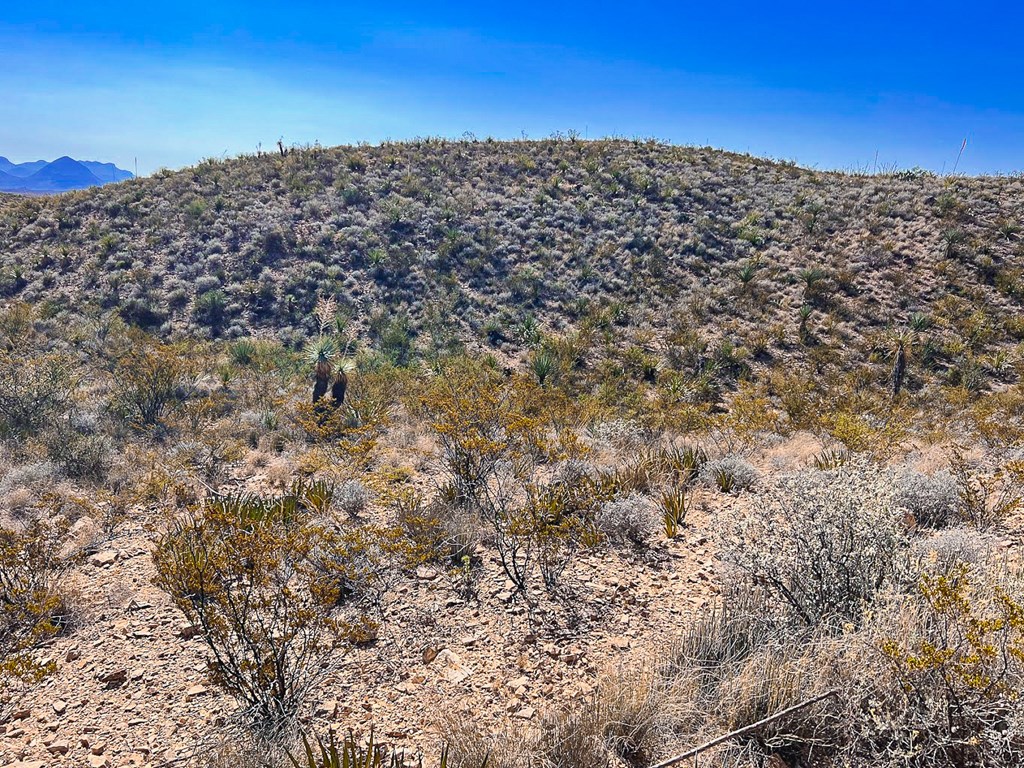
(627, 520)
(933, 500)
(942, 550)
(822, 543)
(351, 497)
(37, 476)
(742, 472)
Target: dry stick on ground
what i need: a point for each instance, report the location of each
(742, 731)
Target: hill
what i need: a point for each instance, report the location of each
(21, 170)
(682, 249)
(615, 450)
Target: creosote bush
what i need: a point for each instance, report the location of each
(276, 586)
(32, 609)
(150, 380)
(35, 391)
(960, 667)
(247, 571)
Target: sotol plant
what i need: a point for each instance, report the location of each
(674, 506)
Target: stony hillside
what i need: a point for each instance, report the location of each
(471, 240)
(621, 451)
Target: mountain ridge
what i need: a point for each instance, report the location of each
(65, 174)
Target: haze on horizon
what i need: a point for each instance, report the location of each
(878, 85)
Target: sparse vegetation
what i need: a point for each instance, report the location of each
(614, 448)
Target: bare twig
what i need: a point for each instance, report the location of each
(744, 730)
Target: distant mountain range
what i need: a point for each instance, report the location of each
(62, 175)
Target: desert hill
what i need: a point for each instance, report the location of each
(436, 243)
(558, 453)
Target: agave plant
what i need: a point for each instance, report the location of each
(725, 479)
(920, 322)
(685, 462)
(831, 458)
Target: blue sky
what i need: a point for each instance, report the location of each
(828, 85)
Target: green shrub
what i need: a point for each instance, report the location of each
(150, 379)
(31, 607)
(34, 391)
(248, 572)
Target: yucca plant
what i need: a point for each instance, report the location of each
(543, 364)
(902, 343)
(320, 353)
(804, 314)
(747, 274)
(952, 238)
(813, 279)
(674, 506)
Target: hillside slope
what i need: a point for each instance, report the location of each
(470, 240)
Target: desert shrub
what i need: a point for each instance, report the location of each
(32, 610)
(943, 550)
(84, 455)
(150, 379)
(729, 474)
(988, 493)
(626, 520)
(444, 532)
(210, 309)
(823, 544)
(353, 754)
(37, 476)
(34, 391)
(367, 562)
(933, 500)
(351, 497)
(959, 663)
(248, 572)
(481, 421)
(619, 433)
(538, 527)
(867, 432)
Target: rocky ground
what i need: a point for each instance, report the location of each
(132, 690)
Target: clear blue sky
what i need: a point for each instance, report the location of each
(825, 84)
